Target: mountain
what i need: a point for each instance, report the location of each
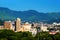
(29, 15)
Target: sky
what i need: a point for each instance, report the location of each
(38, 5)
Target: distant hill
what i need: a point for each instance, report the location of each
(29, 15)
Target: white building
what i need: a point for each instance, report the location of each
(34, 31)
(27, 26)
(43, 27)
(56, 23)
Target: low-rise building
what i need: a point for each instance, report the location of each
(8, 25)
(26, 26)
(1, 27)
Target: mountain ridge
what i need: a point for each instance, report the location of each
(29, 15)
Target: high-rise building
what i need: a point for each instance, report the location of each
(8, 25)
(18, 24)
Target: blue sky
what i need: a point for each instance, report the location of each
(38, 5)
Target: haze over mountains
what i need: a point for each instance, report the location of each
(29, 15)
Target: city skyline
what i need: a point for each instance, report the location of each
(38, 5)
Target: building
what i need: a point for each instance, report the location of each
(18, 24)
(26, 26)
(33, 31)
(8, 25)
(43, 27)
(1, 27)
(56, 23)
(53, 32)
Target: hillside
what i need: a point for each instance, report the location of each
(29, 15)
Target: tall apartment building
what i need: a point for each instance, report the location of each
(18, 24)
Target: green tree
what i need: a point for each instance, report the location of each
(43, 36)
(24, 35)
(57, 36)
(3, 39)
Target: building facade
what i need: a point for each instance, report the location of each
(18, 24)
(8, 25)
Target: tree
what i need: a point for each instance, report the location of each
(43, 36)
(24, 35)
(57, 36)
(6, 33)
(12, 38)
(3, 39)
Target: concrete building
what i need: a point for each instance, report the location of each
(1, 27)
(43, 27)
(18, 24)
(33, 31)
(26, 26)
(8, 25)
(56, 23)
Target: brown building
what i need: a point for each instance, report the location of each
(18, 24)
(8, 25)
